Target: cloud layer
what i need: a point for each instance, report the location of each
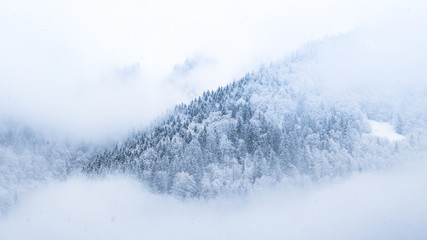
(96, 68)
(381, 205)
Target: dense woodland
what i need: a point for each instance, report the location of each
(256, 131)
(273, 126)
(29, 158)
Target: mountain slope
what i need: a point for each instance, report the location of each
(271, 126)
(29, 158)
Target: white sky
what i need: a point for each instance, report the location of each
(100, 68)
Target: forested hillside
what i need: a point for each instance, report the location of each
(29, 158)
(262, 129)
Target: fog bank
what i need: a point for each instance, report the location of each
(95, 69)
(377, 205)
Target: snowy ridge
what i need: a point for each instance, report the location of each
(272, 126)
(283, 124)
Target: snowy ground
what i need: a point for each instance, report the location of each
(385, 130)
(377, 205)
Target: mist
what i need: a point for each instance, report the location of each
(96, 69)
(376, 205)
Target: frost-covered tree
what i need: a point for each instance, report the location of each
(259, 130)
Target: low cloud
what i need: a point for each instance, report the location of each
(93, 69)
(379, 205)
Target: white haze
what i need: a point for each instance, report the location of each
(93, 69)
(377, 206)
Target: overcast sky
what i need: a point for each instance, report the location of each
(100, 68)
